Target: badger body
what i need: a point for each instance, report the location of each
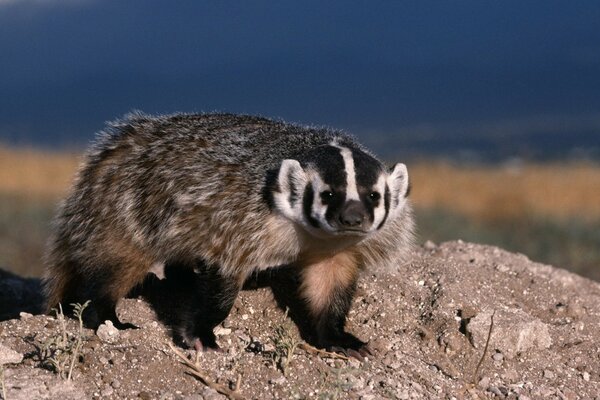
(236, 194)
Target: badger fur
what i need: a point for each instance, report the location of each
(235, 194)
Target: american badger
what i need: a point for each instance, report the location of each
(237, 194)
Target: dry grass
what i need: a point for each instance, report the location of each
(36, 175)
(550, 212)
(494, 193)
(559, 190)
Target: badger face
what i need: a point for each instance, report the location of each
(338, 190)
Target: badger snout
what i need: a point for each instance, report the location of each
(353, 216)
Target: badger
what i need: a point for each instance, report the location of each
(236, 194)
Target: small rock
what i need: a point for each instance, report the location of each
(429, 245)
(269, 348)
(107, 391)
(548, 374)
(9, 356)
(514, 332)
(278, 381)
(497, 391)
(484, 382)
(498, 356)
(115, 384)
(107, 332)
(25, 315)
(586, 376)
(219, 331)
(403, 395)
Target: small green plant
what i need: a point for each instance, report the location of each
(335, 383)
(61, 351)
(286, 341)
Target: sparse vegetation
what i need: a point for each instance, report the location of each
(61, 351)
(194, 369)
(336, 383)
(286, 342)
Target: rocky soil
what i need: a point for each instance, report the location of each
(459, 321)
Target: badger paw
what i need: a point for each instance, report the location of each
(350, 346)
(359, 353)
(202, 343)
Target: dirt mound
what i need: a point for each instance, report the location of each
(460, 320)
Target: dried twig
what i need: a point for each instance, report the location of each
(314, 350)
(194, 369)
(485, 349)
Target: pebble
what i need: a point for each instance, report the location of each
(484, 382)
(219, 331)
(497, 391)
(9, 356)
(498, 357)
(107, 391)
(429, 245)
(278, 381)
(25, 315)
(548, 374)
(107, 332)
(586, 376)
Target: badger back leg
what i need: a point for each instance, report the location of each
(103, 278)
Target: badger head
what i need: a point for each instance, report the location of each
(340, 190)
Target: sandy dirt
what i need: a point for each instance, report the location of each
(458, 321)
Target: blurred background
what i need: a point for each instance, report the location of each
(494, 106)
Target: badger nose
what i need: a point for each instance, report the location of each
(353, 214)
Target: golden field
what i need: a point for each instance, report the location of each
(496, 193)
(488, 192)
(551, 212)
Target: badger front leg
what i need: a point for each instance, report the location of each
(214, 296)
(328, 286)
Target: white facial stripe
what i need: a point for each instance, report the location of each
(318, 208)
(379, 211)
(351, 189)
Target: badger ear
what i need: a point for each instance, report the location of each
(290, 184)
(398, 184)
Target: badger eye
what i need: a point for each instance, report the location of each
(326, 196)
(374, 196)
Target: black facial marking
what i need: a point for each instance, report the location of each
(386, 204)
(335, 205)
(307, 203)
(329, 163)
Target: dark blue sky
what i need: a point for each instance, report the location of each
(401, 75)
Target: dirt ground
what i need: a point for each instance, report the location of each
(458, 321)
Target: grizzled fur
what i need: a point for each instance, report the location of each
(202, 190)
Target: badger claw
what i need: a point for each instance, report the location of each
(358, 353)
